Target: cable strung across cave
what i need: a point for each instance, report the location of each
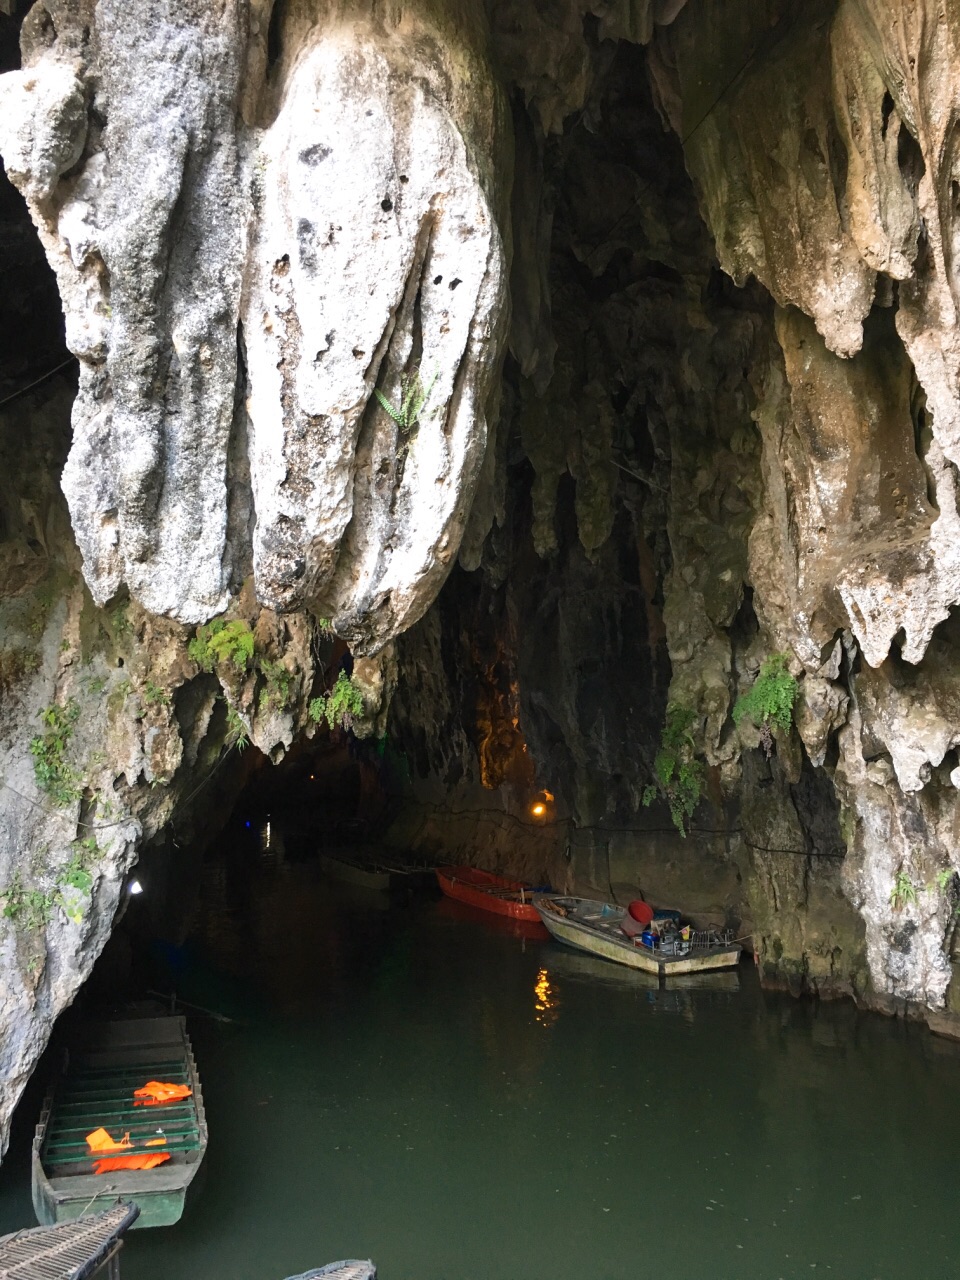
(44, 377)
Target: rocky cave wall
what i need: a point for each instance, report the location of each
(807, 493)
(726, 427)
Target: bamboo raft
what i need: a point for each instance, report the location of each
(74, 1250)
(95, 1089)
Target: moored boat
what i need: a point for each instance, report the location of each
(351, 1269)
(489, 892)
(356, 869)
(103, 1117)
(598, 927)
(372, 868)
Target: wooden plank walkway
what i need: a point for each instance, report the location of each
(69, 1251)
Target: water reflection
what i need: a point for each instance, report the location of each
(390, 1092)
(546, 1000)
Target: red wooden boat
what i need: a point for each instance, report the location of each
(489, 892)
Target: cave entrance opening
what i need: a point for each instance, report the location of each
(328, 800)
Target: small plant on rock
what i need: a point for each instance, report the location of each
(276, 693)
(770, 700)
(904, 891)
(27, 908)
(413, 396)
(51, 768)
(219, 641)
(679, 774)
(154, 695)
(237, 735)
(340, 707)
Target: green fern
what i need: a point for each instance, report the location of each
(340, 707)
(53, 771)
(904, 891)
(679, 774)
(279, 681)
(413, 396)
(770, 700)
(236, 730)
(219, 641)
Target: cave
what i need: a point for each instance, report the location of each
(518, 436)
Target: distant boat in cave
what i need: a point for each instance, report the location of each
(94, 1129)
(489, 892)
(370, 868)
(365, 873)
(665, 950)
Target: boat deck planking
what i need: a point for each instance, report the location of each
(96, 1090)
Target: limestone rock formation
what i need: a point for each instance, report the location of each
(254, 221)
(727, 426)
(241, 261)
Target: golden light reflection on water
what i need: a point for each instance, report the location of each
(546, 999)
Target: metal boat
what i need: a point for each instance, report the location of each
(488, 891)
(595, 926)
(352, 1269)
(95, 1090)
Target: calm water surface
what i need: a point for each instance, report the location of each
(418, 1085)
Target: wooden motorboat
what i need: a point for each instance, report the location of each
(75, 1250)
(95, 1091)
(596, 927)
(489, 892)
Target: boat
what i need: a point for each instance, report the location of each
(461, 913)
(666, 951)
(352, 1269)
(94, 1093)
(370, 868)
(489, 892)
(357, 871)
(76, 1250)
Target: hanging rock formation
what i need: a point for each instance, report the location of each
(332, 228)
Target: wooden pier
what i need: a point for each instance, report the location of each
(78, 1250)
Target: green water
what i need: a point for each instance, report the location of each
(416, 1085)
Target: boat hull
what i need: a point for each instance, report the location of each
(488, 892)
(346, 871)
(603, 942)
(96, 1090)
(158, 1207)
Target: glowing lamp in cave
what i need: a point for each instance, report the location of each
(134, 887)
(538, 810)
